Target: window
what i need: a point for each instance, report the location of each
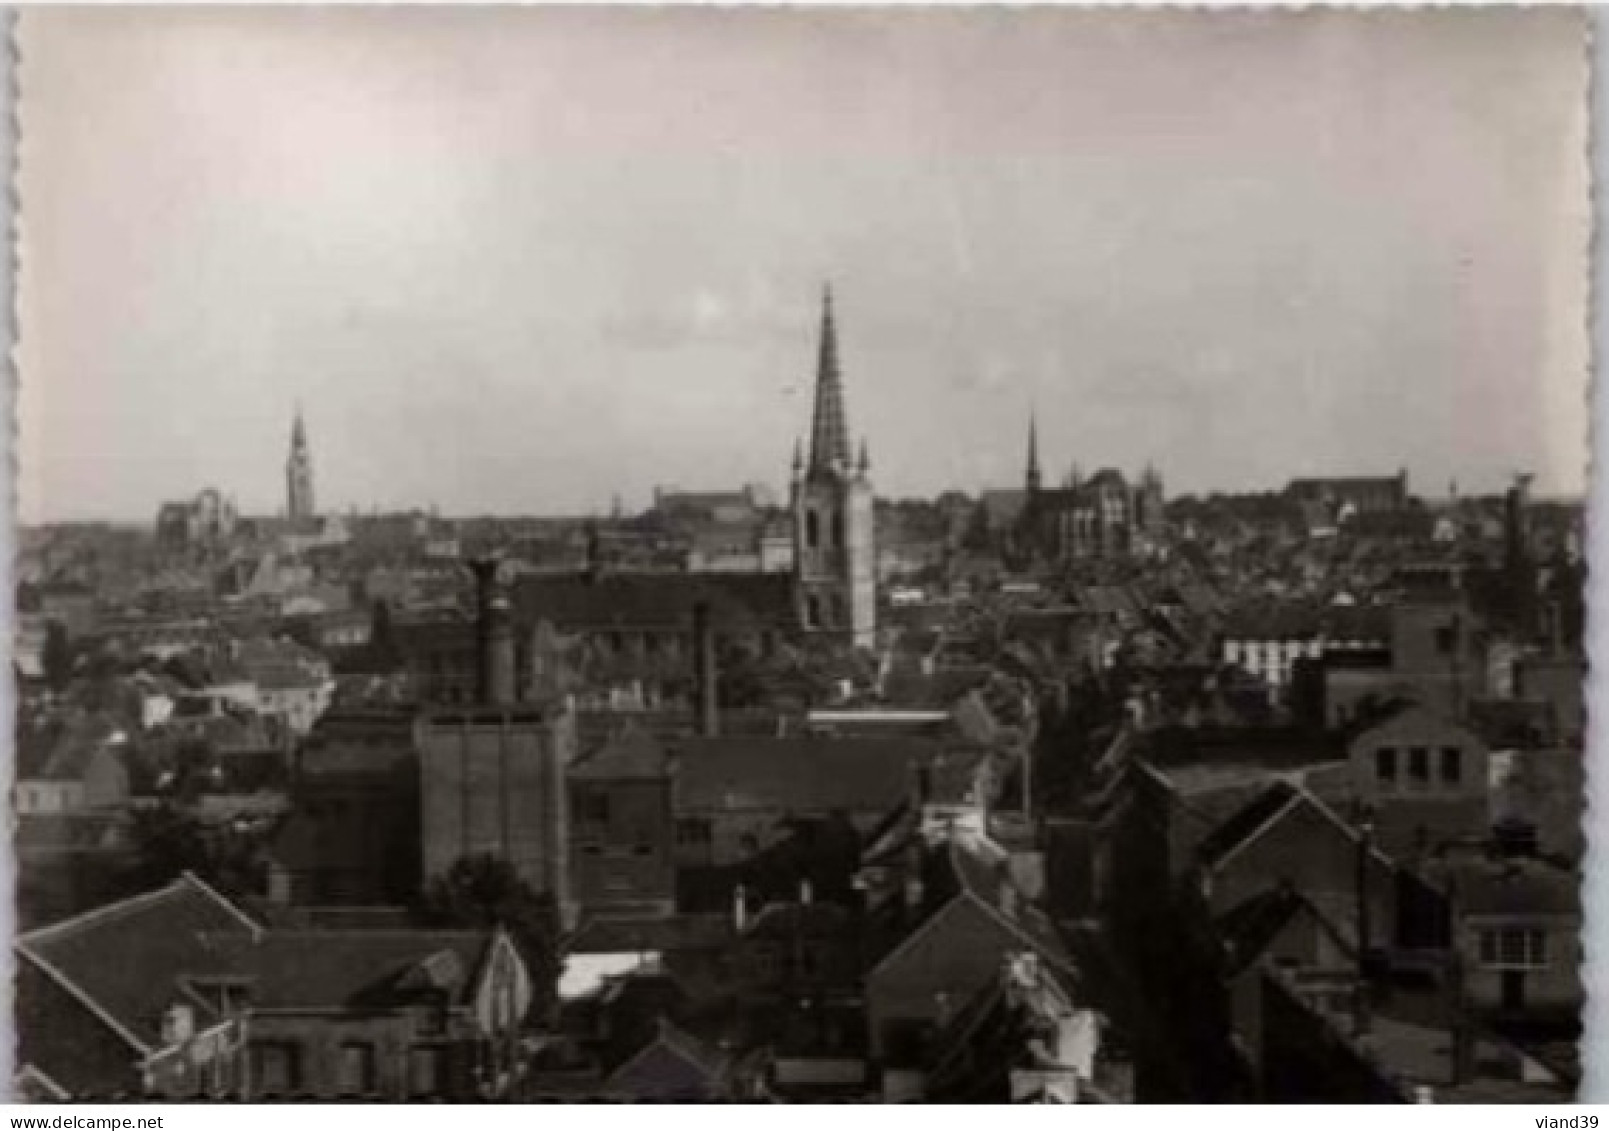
(838, 614)
(1385, 766)
(1452, 769)
(1446, 639)
(1514, 948)
(812, 530)
(426, 1070)
(1418, 766)
(276, 1068)
(357, 1068)
(812, 611)
(593, 806)
(431, 1021)
(837, 530)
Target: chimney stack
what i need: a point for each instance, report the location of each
(706, 712)
(494, 638)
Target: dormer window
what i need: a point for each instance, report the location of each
(225, 995)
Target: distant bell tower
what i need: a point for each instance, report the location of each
(834, 540)
(299, 474)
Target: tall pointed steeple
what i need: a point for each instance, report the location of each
(299, 472)
(829, 428)
(834, 506)
(1034, 479)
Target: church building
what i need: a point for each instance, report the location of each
(1101, 518)
(835, 551)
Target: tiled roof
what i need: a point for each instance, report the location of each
(347, 969)
(125, 960)
(1239, 828)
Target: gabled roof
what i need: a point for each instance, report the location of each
(983, 875)
(1250, 927)
(983, 883)
(123, 962)
(1245, 823)
(673, 1065)
(1403, 715)
(1277, 803)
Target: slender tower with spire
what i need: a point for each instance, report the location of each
(834, 540)
(299, 474)
(1034, 481)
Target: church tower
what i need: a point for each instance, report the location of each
(834, 540)
(1033, 479)
(299, 474)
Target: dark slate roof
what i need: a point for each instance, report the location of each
(652, 600)
(349, 969)
(800, 774)
(1280, 798)
(631, 755)
(126, 960)
(1250, 927)
(1239, 828)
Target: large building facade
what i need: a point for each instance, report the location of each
(835, 551)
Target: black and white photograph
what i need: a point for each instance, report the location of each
(800, 555)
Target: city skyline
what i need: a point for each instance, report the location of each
(465, 234)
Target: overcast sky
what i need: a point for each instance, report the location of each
(522, 260)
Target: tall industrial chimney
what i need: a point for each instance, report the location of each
(494, 638)
(705, 676)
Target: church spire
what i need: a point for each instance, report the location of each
(1033, 453)
(299, 472)
(829, 429)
